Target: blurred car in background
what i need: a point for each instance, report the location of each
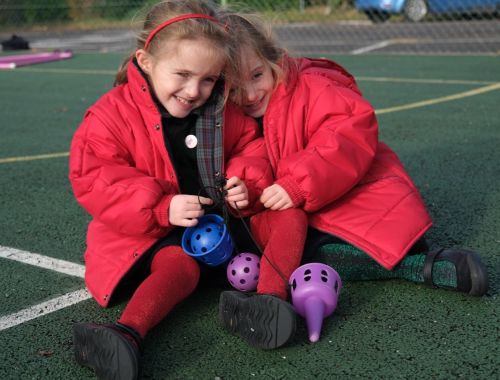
(416, 10)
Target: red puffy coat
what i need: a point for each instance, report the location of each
(123, 177)
(322, 141)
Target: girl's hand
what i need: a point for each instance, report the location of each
(237, 193)
(276, 198)
(185, 210)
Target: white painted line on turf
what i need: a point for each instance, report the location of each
(41, 261)
(368, 48)
(69, 71)
(491, 86)
(51, 305)
(443, 99)
(358, 78)
(424, 81)
(34, 157)
(43, 309)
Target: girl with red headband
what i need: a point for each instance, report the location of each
(146, 161)
(365, 215)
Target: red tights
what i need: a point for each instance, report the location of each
(283, 234)
(174, 276)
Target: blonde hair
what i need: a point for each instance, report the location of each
(188, 29)
(249, 31)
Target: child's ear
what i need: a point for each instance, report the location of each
(144, 60)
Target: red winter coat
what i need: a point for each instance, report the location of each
(322, 141)
(123, 177)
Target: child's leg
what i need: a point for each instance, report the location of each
(174, 275)
(282, 234)
(352, 264)
(451, 268)
(113, 350)
(265, 320)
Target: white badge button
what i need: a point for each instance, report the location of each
(191, 141)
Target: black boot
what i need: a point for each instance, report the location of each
(472, 277)
(112, 351)
(265, 321)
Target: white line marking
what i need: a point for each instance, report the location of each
(43, 308)
(379, 45)
(449, 98)
(34, 157)
(53, 304)
(69, 71)
(41, 261)
(424, 81)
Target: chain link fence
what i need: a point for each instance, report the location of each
(303, 26)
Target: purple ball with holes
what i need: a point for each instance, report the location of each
(243, 272)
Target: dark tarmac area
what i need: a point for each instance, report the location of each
(436, 91)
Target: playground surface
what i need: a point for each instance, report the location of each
(439, 113)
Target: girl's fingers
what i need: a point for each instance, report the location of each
(193, 204)
(193, 214)
(272, 201)
(197, 200)
(234, 190)
(277, 205)
(196, 207)
(266, 195)
(231, 182)
(242, 204)
(237, 197)
(282, 204)
(188, 222)
(270, 192)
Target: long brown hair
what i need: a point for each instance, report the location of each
(193, 28)
(249, 31)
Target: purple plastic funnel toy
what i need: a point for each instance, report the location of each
(315, 291)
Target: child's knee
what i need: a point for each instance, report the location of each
(175, 258)
(291, 217)
(191, 268)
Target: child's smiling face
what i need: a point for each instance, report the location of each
(184, 76)
(257, 84)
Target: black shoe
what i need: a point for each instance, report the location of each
(112, 351)
(265, 321)
(472, 277)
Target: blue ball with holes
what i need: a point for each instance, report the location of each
(209, 241)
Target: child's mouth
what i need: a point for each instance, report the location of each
(184, 101)
(255, 106)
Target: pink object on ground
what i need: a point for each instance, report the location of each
(13, 61)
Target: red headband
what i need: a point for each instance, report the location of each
(175, 19)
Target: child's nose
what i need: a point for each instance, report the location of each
(193, 89)
(250, 94)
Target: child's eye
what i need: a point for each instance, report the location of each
(257, 75)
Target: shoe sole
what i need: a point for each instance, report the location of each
(265, 322)
(109, 354)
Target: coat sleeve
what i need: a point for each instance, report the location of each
(342, 135)
(246, 158)
(108, 185)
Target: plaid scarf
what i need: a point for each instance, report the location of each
(210, 154)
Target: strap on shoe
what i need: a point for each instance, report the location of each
(428, 264)
(131, 332)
